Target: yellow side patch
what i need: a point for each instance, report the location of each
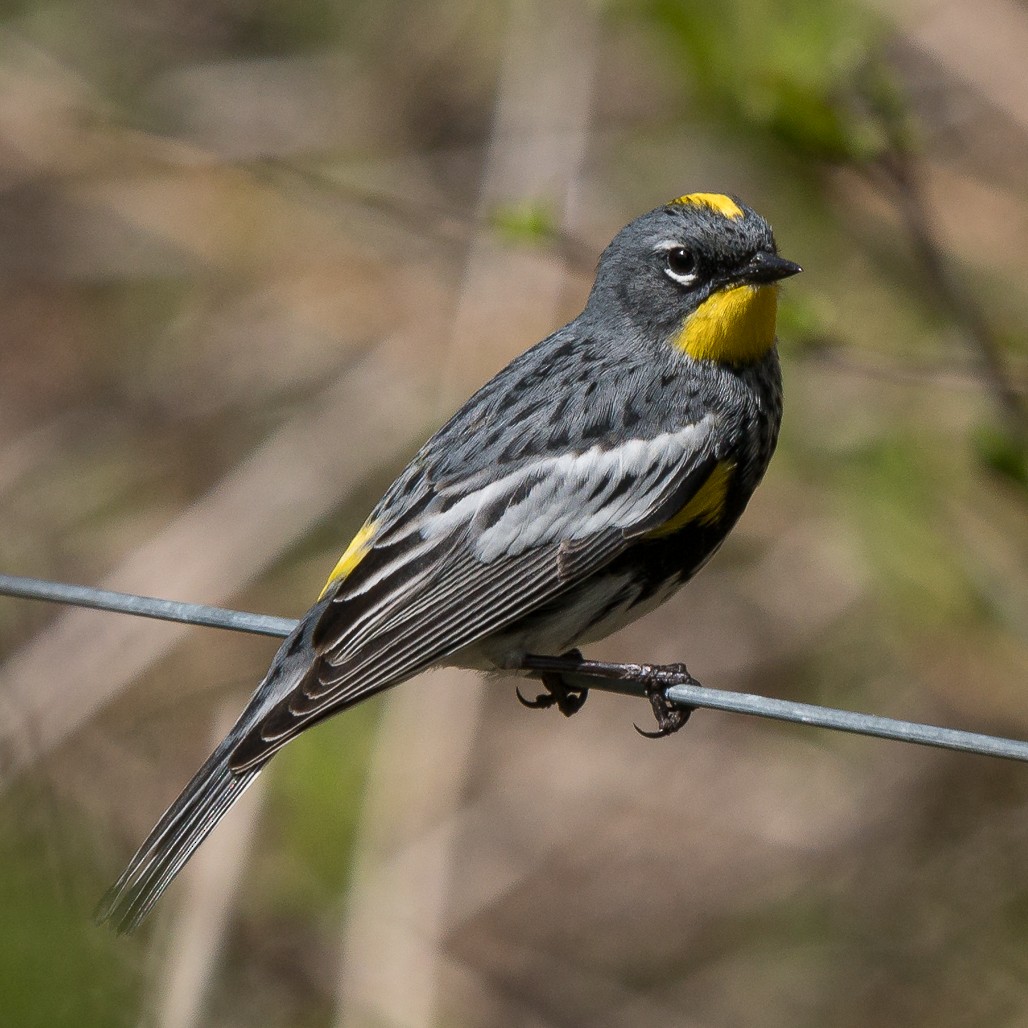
(733, 326)
(355, 553)
(706, 505)
(718, 201)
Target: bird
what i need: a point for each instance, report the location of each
(575, 491)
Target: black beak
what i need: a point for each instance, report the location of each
(767, 267)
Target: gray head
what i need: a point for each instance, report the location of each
(697, 273)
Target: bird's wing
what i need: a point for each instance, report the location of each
(468, 556)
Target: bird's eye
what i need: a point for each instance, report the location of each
(681, 264)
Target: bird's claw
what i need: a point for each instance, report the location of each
(541, 702)
(668, 727)
(568, 699)
(670, 716)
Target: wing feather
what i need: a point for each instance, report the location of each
(476, 556)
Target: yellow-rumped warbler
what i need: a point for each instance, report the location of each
(574, 492)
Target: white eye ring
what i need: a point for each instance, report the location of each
(680, 263)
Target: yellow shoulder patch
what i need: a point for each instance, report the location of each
(355, 553)
(718, 201)
(707, 503)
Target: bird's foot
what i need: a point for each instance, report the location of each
(568, 699)
(670, 716)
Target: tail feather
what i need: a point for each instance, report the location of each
(186, 823)
(210, 793)
(206, 800)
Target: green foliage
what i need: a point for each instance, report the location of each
(316, 795)
(915, 563)
(1002, 452)
(801, 324)
(56, 966)
(525, 222)
(799, 71)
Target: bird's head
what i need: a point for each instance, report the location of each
(699, 274)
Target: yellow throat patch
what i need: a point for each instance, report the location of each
(716, 201)
(355, 553)
(733, 326)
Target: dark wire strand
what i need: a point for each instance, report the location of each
(629, 679)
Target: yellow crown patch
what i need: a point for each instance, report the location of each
(717, 201)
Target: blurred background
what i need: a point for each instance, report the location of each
(253, 252)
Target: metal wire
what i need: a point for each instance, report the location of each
(145, 606)
(629, 679)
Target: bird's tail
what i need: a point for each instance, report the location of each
(207, 798)
(186, 823)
